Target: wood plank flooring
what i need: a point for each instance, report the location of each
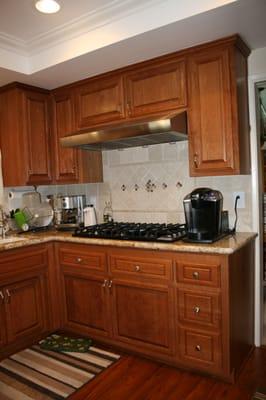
(134, 378)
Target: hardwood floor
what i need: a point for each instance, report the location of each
(135, 378)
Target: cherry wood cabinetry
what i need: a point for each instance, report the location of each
(213, 303)
(156, 88)
(218, 111)
(71, 165)
(83, 277)
(142, 300)
(131, 307)
(199, 295)
(99, 101)
(25, 135)
(26, 303)
(183, 309)
(37, 135)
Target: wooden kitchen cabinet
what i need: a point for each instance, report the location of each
(84, 278)
(25, 135)
(25, 307)
(99, 101)
(184, 309)
(142, 300)
(218, 109)
(156, 88)
(71, 165)
(142, 316)
(3, 338)
(37, 135)
(86, 306)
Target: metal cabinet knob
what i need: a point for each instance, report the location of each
(196, 309)
(137, 268)
(198, 348)
(79, 260)
(110, 284)
(195, 275)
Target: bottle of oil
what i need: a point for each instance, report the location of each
(108, 212)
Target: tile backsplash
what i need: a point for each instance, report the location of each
(131, 174)
(166, 166)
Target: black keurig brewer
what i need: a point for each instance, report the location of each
(203, 213)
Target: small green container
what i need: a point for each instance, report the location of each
(21, 220)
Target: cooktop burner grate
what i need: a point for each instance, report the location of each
(134, 231)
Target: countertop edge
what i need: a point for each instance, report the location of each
(225, 246)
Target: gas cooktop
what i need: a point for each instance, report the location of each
(134, 231)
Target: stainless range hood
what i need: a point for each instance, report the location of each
(142, 132)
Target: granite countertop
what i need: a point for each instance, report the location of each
(227, 245)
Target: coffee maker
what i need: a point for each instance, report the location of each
(68, 211)
(203, 213)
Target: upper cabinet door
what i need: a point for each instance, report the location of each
(99, 101)
(38, 137)
(213, 136)
(66, 159)
(156, 88)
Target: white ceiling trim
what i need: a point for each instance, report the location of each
(116, 10)
(107, 25)
(13, 43)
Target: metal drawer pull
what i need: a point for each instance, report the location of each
(196, 309)
(195, 275)
(104, 283)
(79, 260)
(2, 296)
(198, 348)
(8, 295)
(110, 284)
(137, 268)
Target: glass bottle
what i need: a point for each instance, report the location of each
(108, 212)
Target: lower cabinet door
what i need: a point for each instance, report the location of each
(2, 321)
(143, 317)
(85, 302)
(26, 314)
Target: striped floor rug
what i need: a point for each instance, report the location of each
(43, 375)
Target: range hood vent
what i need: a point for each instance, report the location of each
(163, 129)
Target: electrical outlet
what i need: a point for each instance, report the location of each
(241, 201)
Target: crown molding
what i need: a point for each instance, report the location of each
(115, 10)
(13, 44)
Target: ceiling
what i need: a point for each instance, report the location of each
(88, 37)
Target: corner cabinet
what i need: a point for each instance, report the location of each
(218, 110)
(25, 297)
(71, 165)
(25, 135)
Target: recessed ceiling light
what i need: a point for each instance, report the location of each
(47, 6)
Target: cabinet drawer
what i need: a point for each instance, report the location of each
(200, 308)
(18, 260)
(199, 274)
(90, 259)
(141, 267)
(201, 349)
